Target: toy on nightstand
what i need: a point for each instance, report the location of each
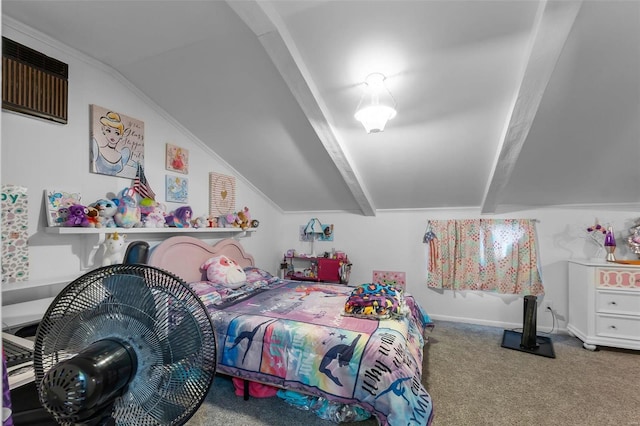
(77, 216)
(113, 249)
(128, 214)
(181, 218)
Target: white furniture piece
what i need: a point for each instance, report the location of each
(604, 304)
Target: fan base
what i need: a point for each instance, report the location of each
(513, 339)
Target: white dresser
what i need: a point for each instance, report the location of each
(604, 304)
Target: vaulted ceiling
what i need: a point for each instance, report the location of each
(502, 105)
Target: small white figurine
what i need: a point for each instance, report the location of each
(113, 249)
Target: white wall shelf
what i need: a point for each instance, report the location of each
(96, 236)
(19, 311)
(64, 230)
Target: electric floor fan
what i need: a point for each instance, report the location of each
(127, 345)
(528, 341)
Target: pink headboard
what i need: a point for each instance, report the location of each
(183, 256)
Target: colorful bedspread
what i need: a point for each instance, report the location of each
(293, 335)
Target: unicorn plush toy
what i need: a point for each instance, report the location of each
(113, 249)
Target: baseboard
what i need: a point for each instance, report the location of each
(498, 324)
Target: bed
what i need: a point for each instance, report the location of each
(294, 335)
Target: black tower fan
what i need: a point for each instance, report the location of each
(528, 341)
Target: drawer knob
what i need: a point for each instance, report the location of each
(613, 327)
(613, 303)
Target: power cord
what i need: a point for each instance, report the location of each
(553, 319)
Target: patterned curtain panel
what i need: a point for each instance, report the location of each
(498, 255)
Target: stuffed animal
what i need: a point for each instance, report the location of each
(181, 218)
(93, 215)
(113, 249)
(244, 218)
(128, 214)
(227, 220)
(199, 222)
(225, 271)
(147, 206)
(155, 219)
(63, 214)
(107, 209)
(77, 216)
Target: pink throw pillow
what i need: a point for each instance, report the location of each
(225, 271)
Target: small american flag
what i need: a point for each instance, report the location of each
(141, 185)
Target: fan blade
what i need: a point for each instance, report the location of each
(183, 340)
(132, 290)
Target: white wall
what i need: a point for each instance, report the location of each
(393, 241)
(39, 154)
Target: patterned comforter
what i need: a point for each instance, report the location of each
(294, 335)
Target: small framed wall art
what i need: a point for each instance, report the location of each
(177, 189)
(177, 159)
(222, 194)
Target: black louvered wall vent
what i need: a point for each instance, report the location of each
(34, 83)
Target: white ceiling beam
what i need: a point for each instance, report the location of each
(272, 33)
(551, 29)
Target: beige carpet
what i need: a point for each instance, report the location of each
(474, 381)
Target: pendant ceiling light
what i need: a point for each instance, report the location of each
(377, 106)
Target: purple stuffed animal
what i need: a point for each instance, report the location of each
(181, 218)
(77, 216)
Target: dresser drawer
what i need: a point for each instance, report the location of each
(618, 327)
(618, 278)
(618, 302)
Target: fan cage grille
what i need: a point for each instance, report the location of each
(159, 316)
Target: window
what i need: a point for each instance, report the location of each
(498, 255)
